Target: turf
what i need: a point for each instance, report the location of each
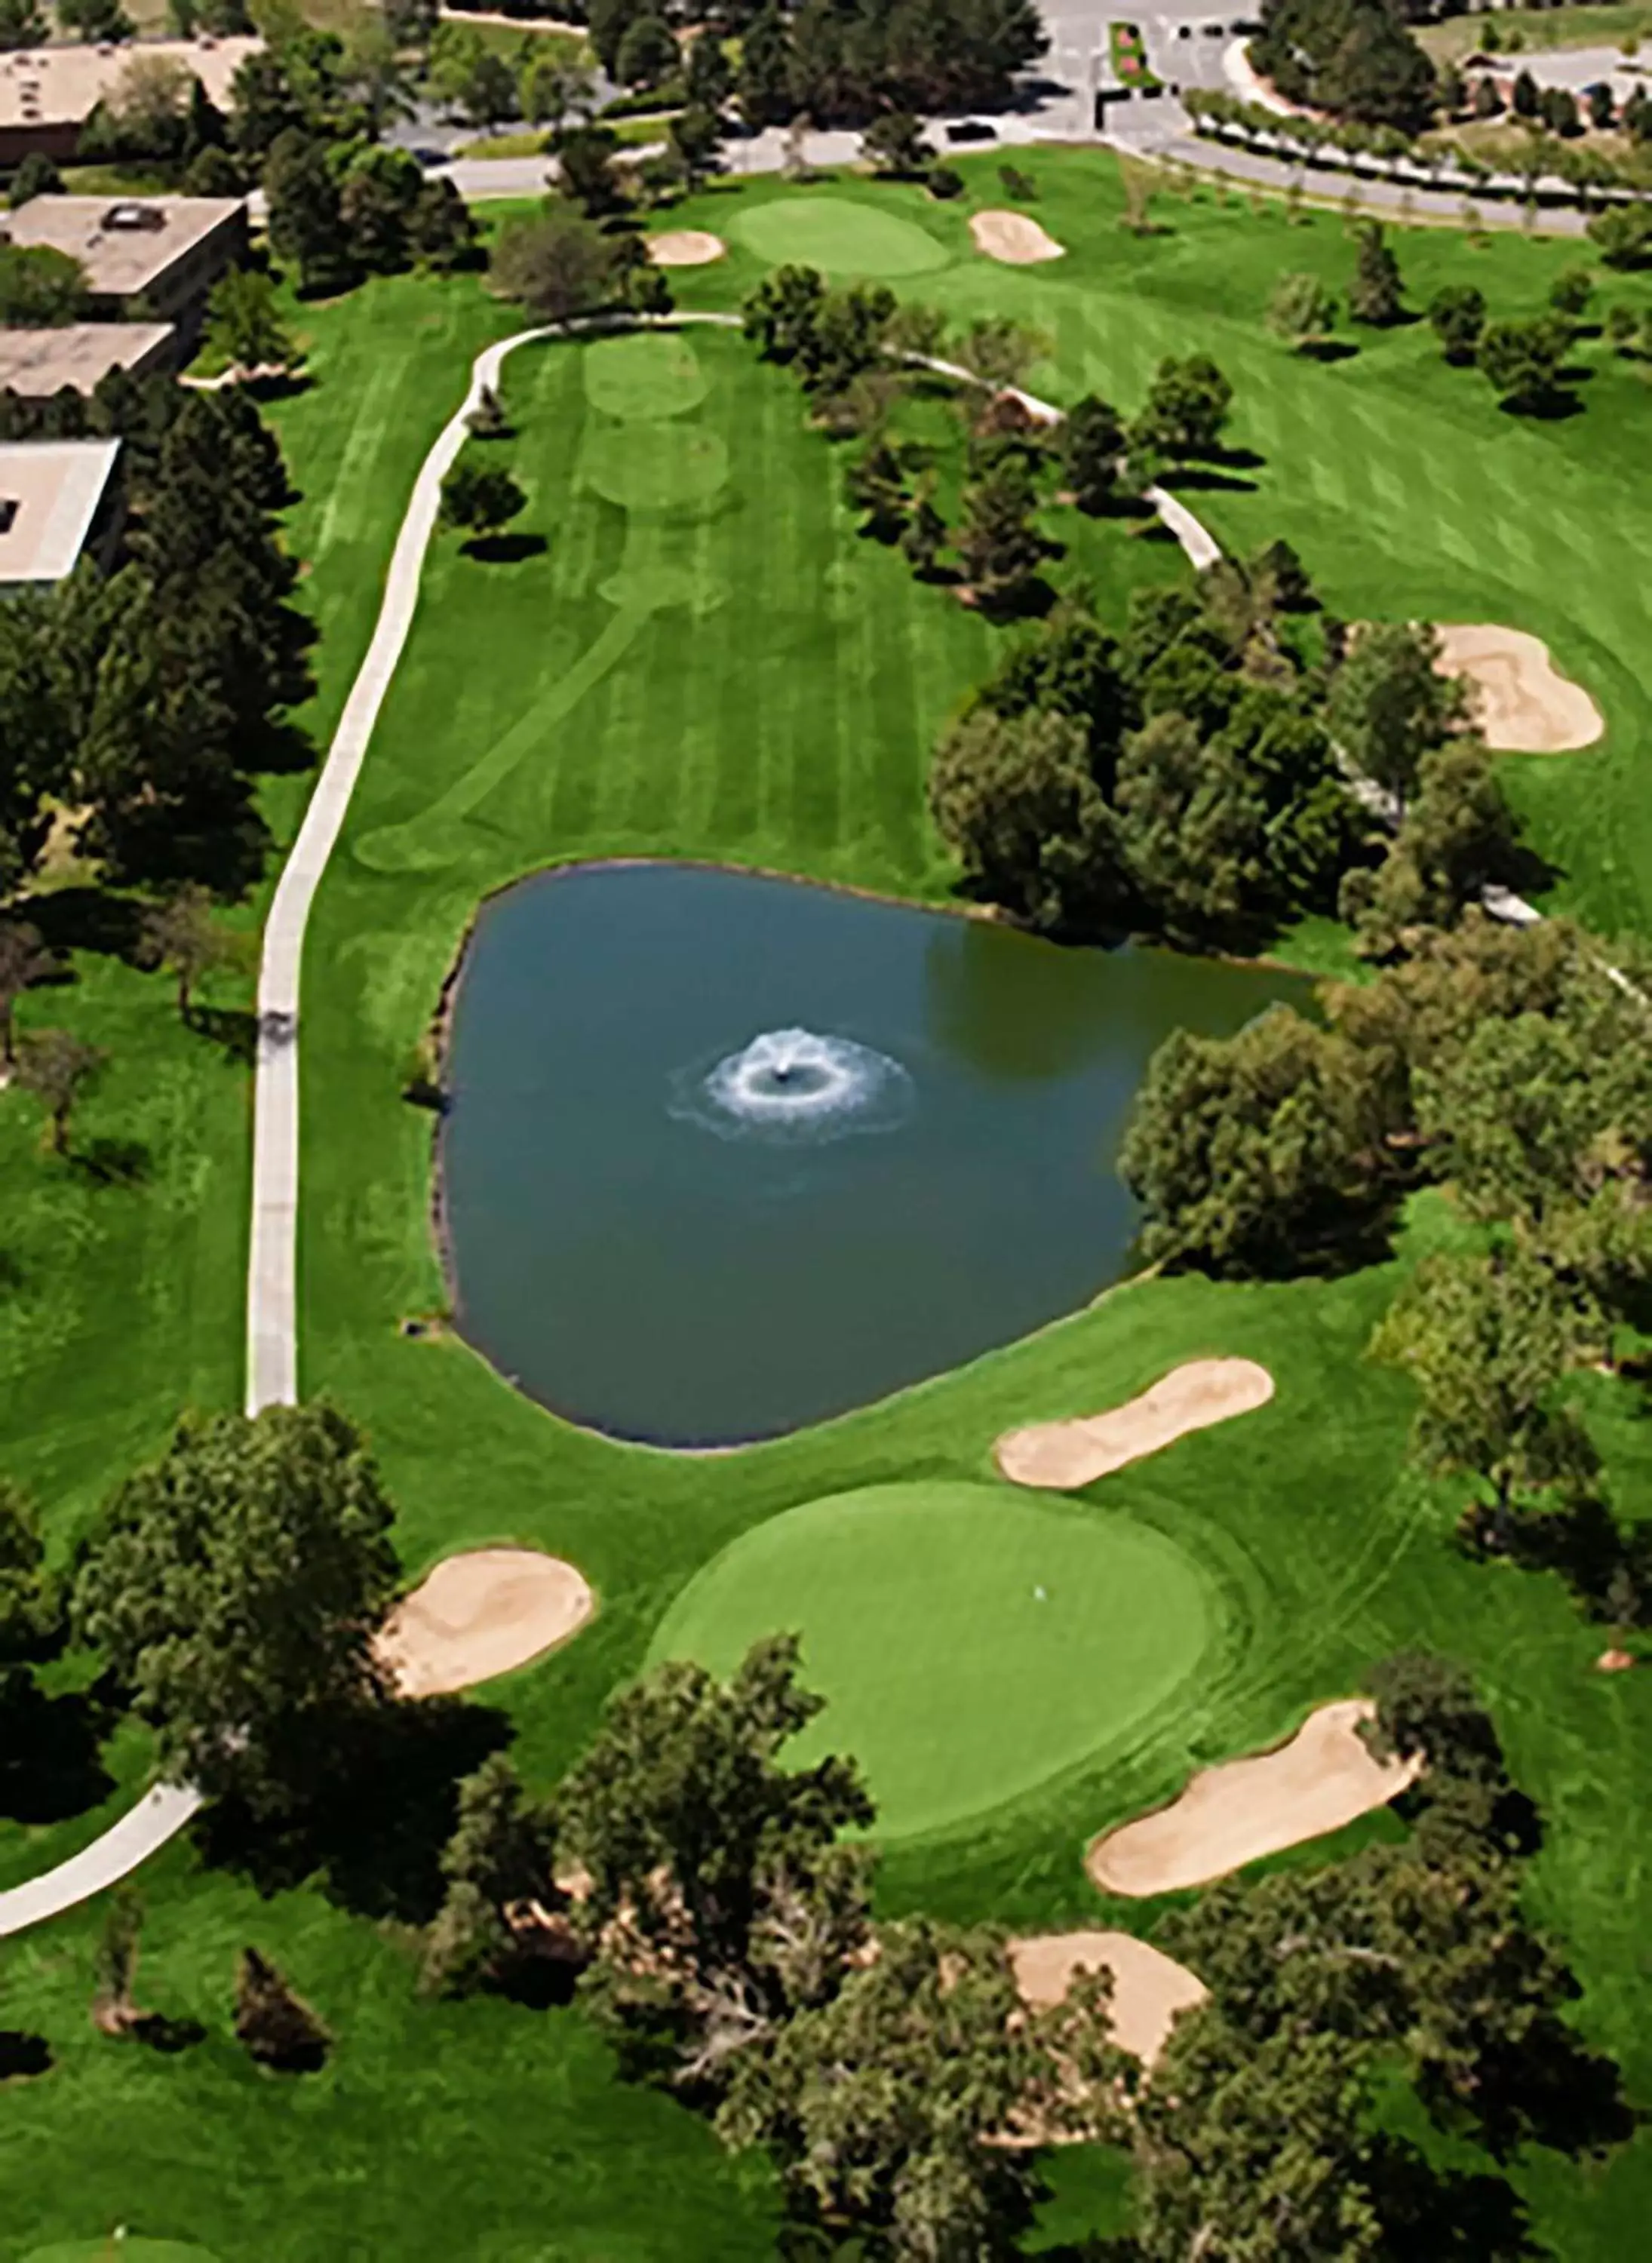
(840, 236)
(971, 1644)
(777, 685)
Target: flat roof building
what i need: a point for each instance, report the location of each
(147, 258)
(39, 363)
(47, 94)
(58, 499)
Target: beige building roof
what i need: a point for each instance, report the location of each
(44, 361)
(44, 86)
(49, 495)
(123, 242)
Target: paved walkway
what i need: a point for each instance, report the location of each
(159, 1816)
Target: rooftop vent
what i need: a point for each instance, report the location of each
(8, 513)
(131, 218)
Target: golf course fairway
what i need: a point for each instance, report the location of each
(970, 1646)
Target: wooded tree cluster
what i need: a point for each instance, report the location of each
(1199, 778)
(151, 700)
(1355, 59)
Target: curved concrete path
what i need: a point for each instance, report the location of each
(273, 1261)
(159, 1815)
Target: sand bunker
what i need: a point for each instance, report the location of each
(479, 1615)
(1061, 1454)
(1522, 703)
(1013, 238)
(1228, 1816)
(685, 247)
(1148, 1988)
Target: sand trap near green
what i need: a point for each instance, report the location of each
(971, 1644)
(838, 235)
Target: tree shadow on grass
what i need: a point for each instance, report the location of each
(1555, 407)
(1328, 352)
(113, 1162)
(22, 2055)
(372, 1826)
(232, 1027)
(1551, 2090)
(504, 549)
(50, 1766)
(87, 919)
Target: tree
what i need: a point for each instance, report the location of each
(1013, 796)
(721, 1904)
(40, 287)
(57, 1067)
(1193, 831)
(557, 265)
(244, 324)
(695, 135)
(35, 176)
(1281, 580)
(94, 19)
(585, 165)
(1353, 58)
(1427, 1710)
(1457, 837)
(1092, 443)
(1571, 291)
(999, 548)
(307, 222)
(1559, 108)
(29, 1603)
(1302, 312)
(648, 53)
(501, 1853)
(708, 81)
(114, 2006)
(923, 536)
(1522, 361)
(21, 26)
(481, 499)
(235, 1589)
(782, 313)
(549, 89)
(1375, 294)
(1524, 98)
(1389, 703)
(894, 144)
(24, 961)
(1257, 1154)
(765, 82)
(884, 2102)
(181, 936)
(273, 2025)
(1185, 412)
(875, 484)
(1486, 1341)
(1458, 313)
(1623, 235)
(440, 233)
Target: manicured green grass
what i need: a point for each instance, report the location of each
(841, 235)
(973, 1643)
(1405, 488)
(773, 705)
(1538, 27)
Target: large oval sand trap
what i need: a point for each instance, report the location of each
(1061, 1454)
(1149, 1987)
(1324, 1778)
(479, 1615)
(1013, 238)
(685, 247)
(1522, 703)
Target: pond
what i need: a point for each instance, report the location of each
(726, 1154)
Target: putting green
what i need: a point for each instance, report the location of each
(838, 235)
(970, 1645)
(647, 373)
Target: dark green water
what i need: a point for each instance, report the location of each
(696, 1264)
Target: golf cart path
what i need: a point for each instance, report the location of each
(272, 1339)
